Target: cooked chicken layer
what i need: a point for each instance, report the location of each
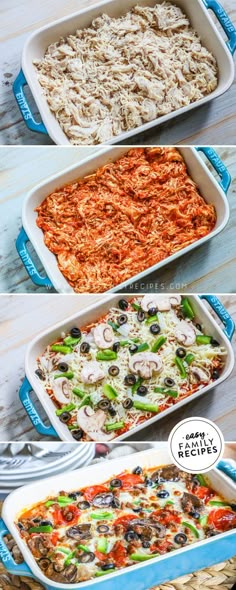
(123, 72)
(124, 218)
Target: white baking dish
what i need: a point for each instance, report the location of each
(141, 576)
(211, 190)
(91, 314)
(38, 42)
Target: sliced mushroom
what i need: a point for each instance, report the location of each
(79, 532)
(91, 372)
(140, 525)
(199, 374)
(54, 575)
(103, 500)
(145, 364)
(92, 423)
(37, 546)
(185, 333)
(175, 300)
(149, 301)
(167, 473)
(62, 390)
(161, 302)
(103, 336)
(71, 573)
(190, 502)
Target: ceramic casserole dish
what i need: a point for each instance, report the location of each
(142, 576)
(212, 191)
(93, 313)
(35, 47)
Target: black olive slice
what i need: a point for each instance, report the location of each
(123, 304)
(86, 557)
(75, 332)
(122, 319)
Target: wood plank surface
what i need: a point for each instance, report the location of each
(22, 318)
(213, 123)
(210, 268)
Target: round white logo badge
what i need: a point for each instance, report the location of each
(196, 445)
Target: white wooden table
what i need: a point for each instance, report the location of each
(213, 123)
(22, 318)
(210, 268)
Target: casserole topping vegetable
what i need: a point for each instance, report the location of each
(120, 73)
(124, 218)
(132, 518)
(101, 393)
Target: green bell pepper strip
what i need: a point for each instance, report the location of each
(203, 339)
(83, 548)
(65, 551)
(67, 374)
(109, 392)
(50, 503)
(218, 503)
(61, 348)
(203, 520)
(113, 325)
(187, 308)
(70, 341)
(189, 358)
(192, 528)
(69, 558)
(136, 385)
(99, 573)
(167, 392)
(106, 355)
(158, 343)
(41, 529)
(78, 392)
(67, 408)
(153, 318)
(86, 401)
(72, 426)
(179, 363)
(131, 341)
(142, 557)
(136, 306)
(169, 502)
(64, 500)
(146, 407)
(201, 480)
(114, 426)
(102, 544)
(101, 515)
(61, 500)
(142, 347)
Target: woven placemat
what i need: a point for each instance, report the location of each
(222, 575)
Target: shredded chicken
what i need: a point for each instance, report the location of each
(124, 218)
(122, 72)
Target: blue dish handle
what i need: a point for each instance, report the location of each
(24, 395)
(225, 22)
(28, 262)
(218, 165)
(222, 314)
(18, 90)
(228, 469)
(21, 569)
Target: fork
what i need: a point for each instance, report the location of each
(11, 462)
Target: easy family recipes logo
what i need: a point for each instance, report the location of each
(196, 444)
